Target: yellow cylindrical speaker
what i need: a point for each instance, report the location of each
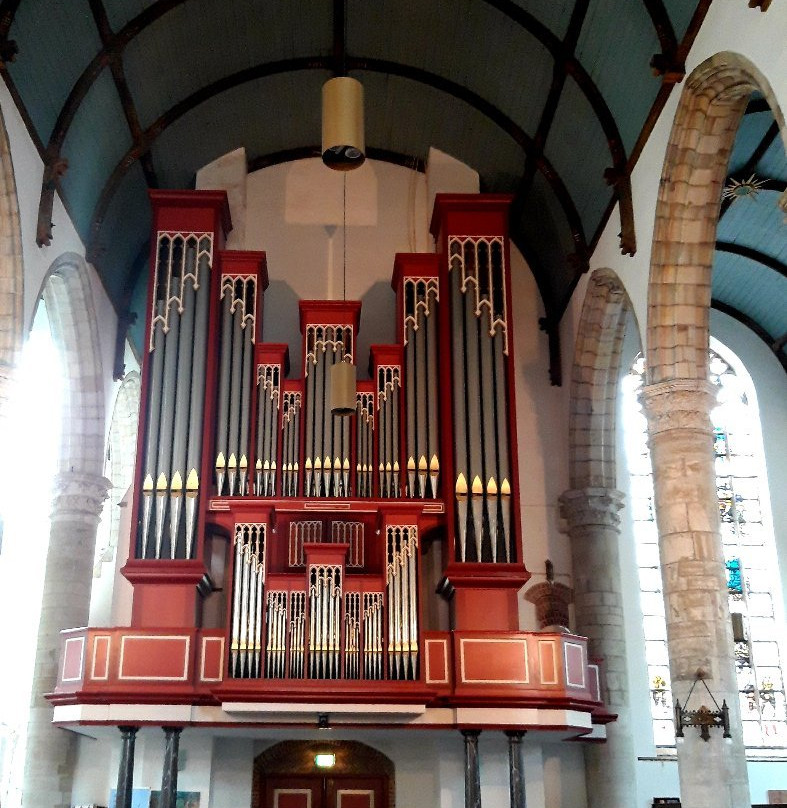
(343, 388)
(343, 144)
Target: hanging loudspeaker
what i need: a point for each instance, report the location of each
(343, 144)
(343, 388)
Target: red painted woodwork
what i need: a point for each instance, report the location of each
(165, 656)
(183, 212)
(166, 593)
(438, 656)
(315, 791)
(330, 312)
(356, 792)
(410, 265)
(292, 792)
(481, 599)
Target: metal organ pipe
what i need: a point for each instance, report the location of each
(236, 381)
(225, 361)
(432, 436)
(422, 394)
(197, 402)
(482, 462)
(401, 589)
(153, 426)
(248, 595)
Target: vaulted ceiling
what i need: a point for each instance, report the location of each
(551, 100)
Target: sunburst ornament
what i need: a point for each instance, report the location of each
(736, 189)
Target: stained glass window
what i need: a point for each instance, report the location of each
(749, 551)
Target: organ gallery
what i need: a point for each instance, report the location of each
(289, 560)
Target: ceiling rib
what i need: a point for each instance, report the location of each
(324, 63)
(580, 257)
(775, 345)
(616, 176)
(663, 25)
(7, 13)
(756, 105)
(548, 113)
(121, 85)
(753, 255)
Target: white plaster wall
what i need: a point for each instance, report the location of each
(95, 772)
(231, 772)
(542, 436)
(429, 767)
(294, 212)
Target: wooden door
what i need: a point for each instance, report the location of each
(294, 792)
(325, 792)
(355, 792)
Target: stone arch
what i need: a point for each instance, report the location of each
(11, 269)
(678, 399)
(79, 492)
(594, 382)
(590, 508)
(293, 758)
(72, 315)
(120, 459)
(698, 152)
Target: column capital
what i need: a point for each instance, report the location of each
(678, 404)
(77, 496)
(583, 507)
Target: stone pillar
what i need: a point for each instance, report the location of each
(65, 603)
(516, 769)
(169, 774)
(126, 767)
(699, 632)
(472, 769)
(594, 528)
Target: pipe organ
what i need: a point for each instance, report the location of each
(326, 518)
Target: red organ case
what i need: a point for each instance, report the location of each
(283, 554)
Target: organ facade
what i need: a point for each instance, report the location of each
(288, 563)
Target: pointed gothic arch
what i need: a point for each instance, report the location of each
(11, 268)
(69, 301)
(695, 167)
(79, 492)
(678, 399)
(594, 381)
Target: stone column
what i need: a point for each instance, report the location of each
(169, 774)
(594, 528)
(699, 632)
(126, 767)
(472, 769)
(516, 769)
(65, 603)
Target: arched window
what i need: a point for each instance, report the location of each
(749, 551)
(31, 445)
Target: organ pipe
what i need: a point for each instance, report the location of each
(248, 591)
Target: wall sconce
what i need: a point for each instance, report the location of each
(325, 760)
(703, 717)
